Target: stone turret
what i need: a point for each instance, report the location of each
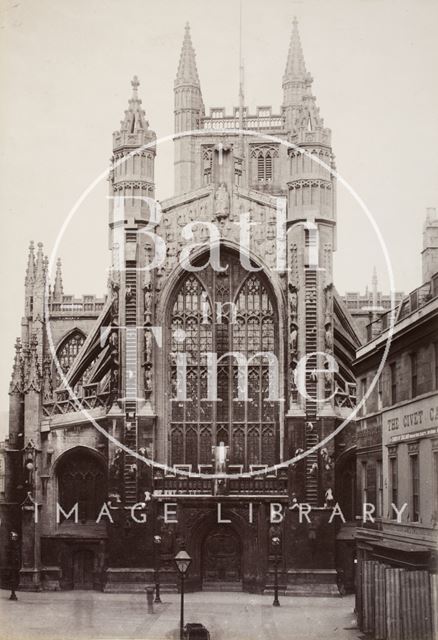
(311, 200)
(133, 161)
(311, 186)
(188, 110)
(429, 254)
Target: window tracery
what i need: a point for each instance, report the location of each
(81, 479)
(201, 309)
(67, 353)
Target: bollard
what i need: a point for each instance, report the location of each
(150, 599)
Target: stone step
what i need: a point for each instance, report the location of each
(208, 585)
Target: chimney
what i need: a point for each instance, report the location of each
(430, 244)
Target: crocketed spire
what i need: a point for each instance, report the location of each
(32, 374)
(40, 267)
(58, 289)
(299, 104)
(30, 271)
(16, 385)
(135, 117)
(187, 71)
(295, 66)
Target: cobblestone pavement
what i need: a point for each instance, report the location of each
(87, 615)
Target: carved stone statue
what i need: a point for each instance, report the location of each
(328, 337)
(328, 304)
(220, 455)
(47, 381)
(147, 380)
(328, 382)
(221, 202)
(115, 299)
(116, 469)
(148, 301)
(148, 346)
(294, 339)
(293, 301)
(329, 499)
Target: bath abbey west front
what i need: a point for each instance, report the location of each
(131, 374)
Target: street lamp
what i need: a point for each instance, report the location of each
(14, 564)
(157, 547)
(276, 544)
(182, 561)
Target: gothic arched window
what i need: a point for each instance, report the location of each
(264, 164)
(82, 480)
(67, 352)
(222, 312)
(207, 159)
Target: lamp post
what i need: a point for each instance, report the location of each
(14, 563)
(157, 547)
(182, 561)
(276, 544)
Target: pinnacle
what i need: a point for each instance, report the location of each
(135, 117)
(58, 289)
(30, 271)
(295, 66)
(187, 71)
(17, 370)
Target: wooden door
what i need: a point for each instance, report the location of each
(83, 568)
(222, 557)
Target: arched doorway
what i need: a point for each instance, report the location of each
(222, 559)
(82, 480)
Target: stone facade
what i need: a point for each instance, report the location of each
(110, 427)
(397, 459)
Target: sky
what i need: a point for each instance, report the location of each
(65, 72)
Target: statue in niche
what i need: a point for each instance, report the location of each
(47, 381)
(114, 384)
(114, 348)
(148, 346)
(293, 384)
(293, 301)
(116, 470)
(328, 304)
(115, 298)
(328, 378)
(294, 339)
(148, 302)
(328, 337)
(329, 498)
(220, 458)
(221, 202)
(148, 380)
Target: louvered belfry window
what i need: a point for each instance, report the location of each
(199, 308)
(264, 165)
